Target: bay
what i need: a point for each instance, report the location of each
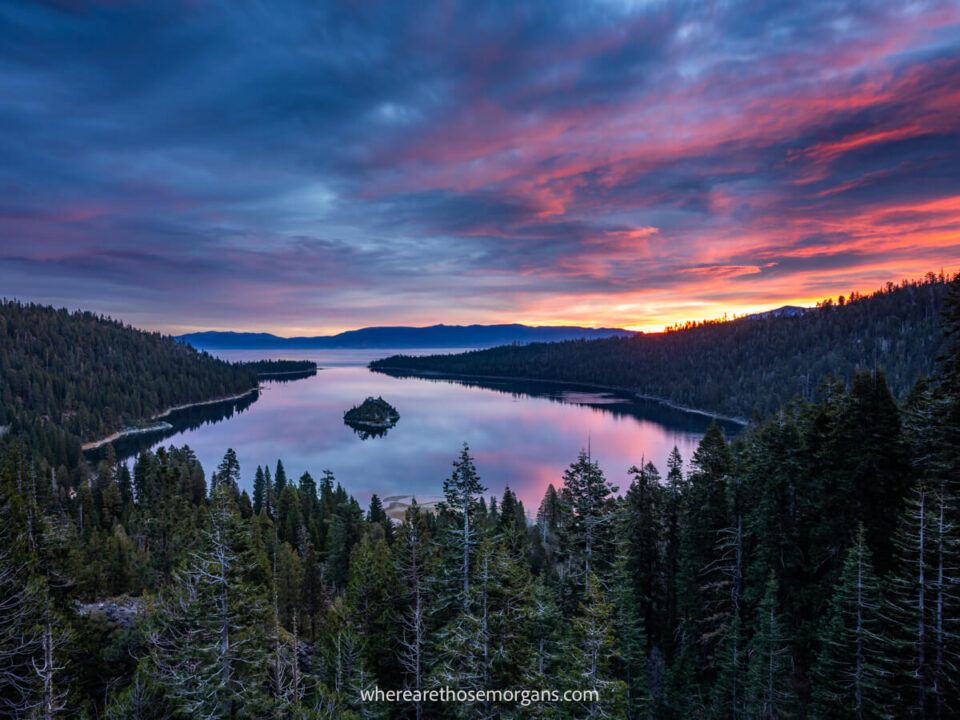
(521, 433)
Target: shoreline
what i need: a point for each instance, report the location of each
(94, 444)
(614, 388)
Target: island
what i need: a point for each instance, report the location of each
(372, 418)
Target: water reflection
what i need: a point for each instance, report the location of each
(522, 434)
(615, 402)
(177, 423)
(366, 432)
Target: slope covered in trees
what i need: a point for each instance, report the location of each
(67, 377)
(266, 368)
(807, 570)
(734, 368)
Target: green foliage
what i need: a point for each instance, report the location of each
(739, 368)
(71, 377)
(207, 643)
(266, 368)
(851, 680)
(807, 568)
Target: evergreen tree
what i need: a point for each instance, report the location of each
(545, 635)
(22, 640)
(413, 568)
(371, 598)
(310, 508)
(462, 492)
(346, 526)
(851, 676)
(641, 531)
(589, 655)
(704, 564)
(288, 584)
(290, 526)
(279, 479)
(228, 473)
(511, 524)
(259, 490)
(591, 527)
(207, 646)
(769, 691)
(673, 501)
(378, 516)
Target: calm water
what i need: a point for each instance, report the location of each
(521, 434)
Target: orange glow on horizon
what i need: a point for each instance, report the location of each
(637, 312)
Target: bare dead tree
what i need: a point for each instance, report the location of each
(412, 569)
(21, 642)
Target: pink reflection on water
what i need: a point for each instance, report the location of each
(523, 441)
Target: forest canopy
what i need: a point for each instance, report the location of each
(736, 368)
(68, 377)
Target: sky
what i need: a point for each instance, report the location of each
(300, 167)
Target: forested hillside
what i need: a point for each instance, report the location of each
(67, 377)
(735, 368)
(807, 570)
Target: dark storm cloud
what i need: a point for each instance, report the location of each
(294, 164)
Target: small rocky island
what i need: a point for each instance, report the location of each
(372, 418)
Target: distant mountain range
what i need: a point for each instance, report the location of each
(434, 336)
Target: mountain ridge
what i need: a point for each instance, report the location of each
(402, 336)
(735, 368)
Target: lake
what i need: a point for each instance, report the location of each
(521, 434)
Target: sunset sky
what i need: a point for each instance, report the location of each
(306, 167)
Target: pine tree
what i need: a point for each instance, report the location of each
(378, 516)
(705, 558)
(290, 526)
(288, 583)
(342, 668)
(869, 456)
(545, 635)
(462, 492)
(589, 656)
(413, 567)
(207, 645)
(345, 529)
(723, 626)
(21, 636)
(228, 473)
(511, 524)
(314, 596)
(484, 646)
(630, 659)
(851, 676)
(924, 600)
(140, 700)
(310, 507)
(641, 532)
(769, 691)
(549, 519)
(279, 479)
(371, 597)
(259, 490)
(269, 495)
(674, 496)
(591, 531)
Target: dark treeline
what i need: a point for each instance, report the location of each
(280, 367)
(69, 377)
(807, 569)
(739, 368)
